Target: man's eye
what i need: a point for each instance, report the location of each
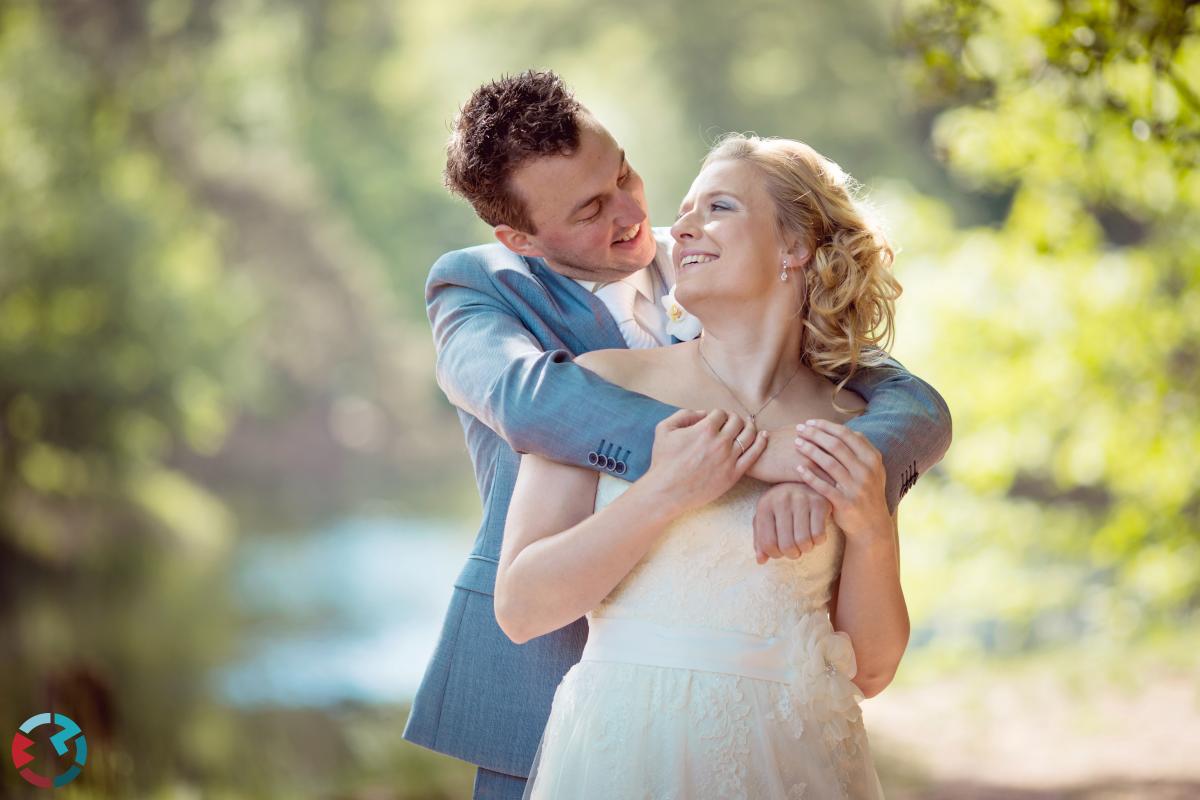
(593, 217)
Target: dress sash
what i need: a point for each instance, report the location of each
(636, 641)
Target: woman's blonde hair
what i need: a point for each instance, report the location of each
(850, 292)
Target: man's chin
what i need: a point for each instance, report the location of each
(635, 260)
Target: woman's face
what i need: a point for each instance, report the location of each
(726, 242)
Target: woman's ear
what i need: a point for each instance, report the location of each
(797, 253)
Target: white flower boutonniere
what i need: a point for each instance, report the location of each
(680, 323)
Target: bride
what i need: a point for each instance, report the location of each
(707, 674)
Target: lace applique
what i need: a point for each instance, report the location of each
(823, 663)
(724, 724)
(788, 708)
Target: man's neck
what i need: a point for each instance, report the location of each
(590, 274)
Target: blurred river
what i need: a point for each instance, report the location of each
(351, 612)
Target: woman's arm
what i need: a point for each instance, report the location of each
(869, 606)
(868, 600)
(558, 559)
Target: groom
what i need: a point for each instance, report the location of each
(577, 268)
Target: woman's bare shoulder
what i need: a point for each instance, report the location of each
(629, 368)
(849, 399)
(608, 364)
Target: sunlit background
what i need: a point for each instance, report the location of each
(233, 500)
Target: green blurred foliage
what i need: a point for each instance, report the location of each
(1066, 335)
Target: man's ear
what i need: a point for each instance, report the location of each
(519, 242)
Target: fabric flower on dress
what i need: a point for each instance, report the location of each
(822, 664)
(680, 323)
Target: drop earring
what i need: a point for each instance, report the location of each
(783, 275)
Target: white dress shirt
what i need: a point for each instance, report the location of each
(649, 313)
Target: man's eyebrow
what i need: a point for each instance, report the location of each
(581, 206)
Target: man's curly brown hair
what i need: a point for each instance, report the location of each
(504, 124)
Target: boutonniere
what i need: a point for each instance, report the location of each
(680, 323)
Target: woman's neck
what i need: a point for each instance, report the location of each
(754, 353)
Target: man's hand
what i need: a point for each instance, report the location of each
(789, 521)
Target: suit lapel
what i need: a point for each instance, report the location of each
(586, 319)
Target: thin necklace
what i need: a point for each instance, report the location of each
(734, 394)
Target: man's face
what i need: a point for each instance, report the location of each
(589, 209)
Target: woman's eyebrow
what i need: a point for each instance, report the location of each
(713, 193)
(725, 192)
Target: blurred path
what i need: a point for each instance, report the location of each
(1039, 735)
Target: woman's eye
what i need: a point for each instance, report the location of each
(719, 207)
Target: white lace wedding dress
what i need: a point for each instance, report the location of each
(707, 675)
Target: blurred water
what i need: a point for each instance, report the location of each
(351, 612)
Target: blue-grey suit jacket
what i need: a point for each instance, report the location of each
(506, 329)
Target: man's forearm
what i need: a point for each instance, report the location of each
(491, 365)
(906, 420)
(778, 462)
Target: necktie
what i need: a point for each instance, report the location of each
(626, 297)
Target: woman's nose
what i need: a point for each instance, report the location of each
(683, 228)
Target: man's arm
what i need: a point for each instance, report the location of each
(492, 367)
(907, 421)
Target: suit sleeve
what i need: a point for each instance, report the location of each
(490, 365)
(907, 421)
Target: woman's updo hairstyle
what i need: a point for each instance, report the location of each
(849, 292)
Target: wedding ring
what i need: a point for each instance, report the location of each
(741, 447)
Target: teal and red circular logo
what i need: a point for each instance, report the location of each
(69, 733)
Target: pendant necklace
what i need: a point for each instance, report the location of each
(734, 394)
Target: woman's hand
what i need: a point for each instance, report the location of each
(698, 456)
(856, 467)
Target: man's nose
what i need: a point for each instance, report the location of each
(631, 212)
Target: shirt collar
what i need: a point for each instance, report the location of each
(644, 283)
(641, 280)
